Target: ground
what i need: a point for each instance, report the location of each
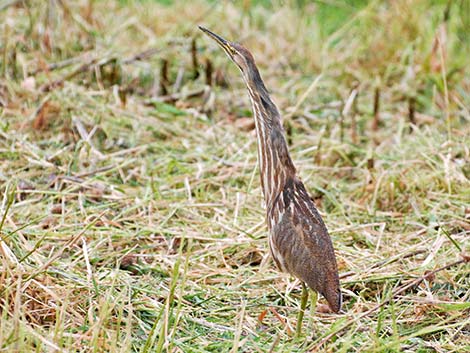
(131, 216)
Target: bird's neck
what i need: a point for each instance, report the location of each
(273, 156)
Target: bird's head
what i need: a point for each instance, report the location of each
(239, 55)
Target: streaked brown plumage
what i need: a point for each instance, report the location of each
(298, 238)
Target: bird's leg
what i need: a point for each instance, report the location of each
(313, 302)
(313, 306)
(303, 304)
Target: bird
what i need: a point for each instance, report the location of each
(299, 241)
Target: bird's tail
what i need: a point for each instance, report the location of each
(334, 298)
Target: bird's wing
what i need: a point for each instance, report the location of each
(305, 245)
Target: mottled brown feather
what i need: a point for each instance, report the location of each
(303, 241)
(299, 241)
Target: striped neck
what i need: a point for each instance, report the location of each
(275, 164)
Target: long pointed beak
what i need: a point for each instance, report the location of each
(221, 41)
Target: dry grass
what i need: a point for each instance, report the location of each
(133, 222)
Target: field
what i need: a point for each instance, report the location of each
(131, 214)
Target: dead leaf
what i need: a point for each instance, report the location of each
(22, 186)
(47, 222)
(40, 121)
(262, 315)
(464, 225)
(424, 119)
(439, 51)
(46, 112)
(220, 78)
(420, 310)
(94, 192)
(323, 308)
(245, 124)
(430, 276)
(3, 95)
(129, 263)
(56, 209)
(47, 40)
(128, 260)
(29, 83)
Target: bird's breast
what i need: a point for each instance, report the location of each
(274, 215)
(276, 254)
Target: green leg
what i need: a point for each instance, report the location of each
(303, 304)
(313, 303)
(313, 308)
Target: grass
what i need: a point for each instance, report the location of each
(131, 219)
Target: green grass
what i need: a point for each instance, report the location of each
(131, 223)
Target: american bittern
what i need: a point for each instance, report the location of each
(298, 239)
